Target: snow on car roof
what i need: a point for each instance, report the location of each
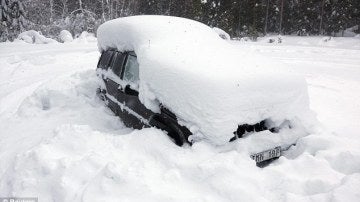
(129, 33)
(210, 86)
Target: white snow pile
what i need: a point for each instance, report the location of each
(222, 33)
(65, 36)
(304, 41)
(349, 32)
(210, 86)
(271, 39)
(33, 36)
(85, 37)
(59, 142)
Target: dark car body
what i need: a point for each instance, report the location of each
(119, 95)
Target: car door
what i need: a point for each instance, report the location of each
(135, 114)
(104, 63)
(112, 80)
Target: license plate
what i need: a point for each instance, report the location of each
(266, 155)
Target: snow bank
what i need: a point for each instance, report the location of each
(210, 86)
(349, 32)
(65, 36)
(306, 41)
(85, 37)
(60, 143)
(271, 39)
(33, 36)
(222, 33)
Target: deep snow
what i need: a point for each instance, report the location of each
(59, 143)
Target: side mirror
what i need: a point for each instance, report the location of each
(128, 90)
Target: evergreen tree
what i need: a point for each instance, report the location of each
(13, 20)
(5, 20)
(238, 17)
(342, 15)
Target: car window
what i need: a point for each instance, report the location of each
(105, 59)
(131, 71)
(118, 63)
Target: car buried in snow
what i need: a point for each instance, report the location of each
(178, 75)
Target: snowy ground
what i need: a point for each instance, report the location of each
(59, 143)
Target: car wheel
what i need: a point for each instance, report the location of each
(177, 134)
(174, 130)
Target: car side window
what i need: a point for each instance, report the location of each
(131, 71)
(118, 62)
(105, 59)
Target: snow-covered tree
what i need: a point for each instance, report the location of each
(5, 20)
(237, 17)
(342, 15)
(13, 20)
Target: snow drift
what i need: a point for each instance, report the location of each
(33, 36)
(222, 33)
(65, 36)
(59, 142)
(210, 86)
(85, 37)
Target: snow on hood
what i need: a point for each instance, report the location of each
(210, 86)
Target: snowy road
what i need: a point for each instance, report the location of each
(59, 143)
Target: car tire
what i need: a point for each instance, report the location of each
(172, 128)
(177, 134)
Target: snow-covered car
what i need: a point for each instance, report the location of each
(180, 76)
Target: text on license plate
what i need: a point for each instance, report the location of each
(266, 155)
